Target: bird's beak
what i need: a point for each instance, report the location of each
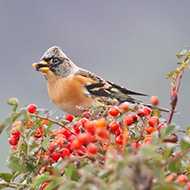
(42, 66)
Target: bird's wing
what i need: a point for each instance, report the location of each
(97, 87)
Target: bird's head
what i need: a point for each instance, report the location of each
(56, 61)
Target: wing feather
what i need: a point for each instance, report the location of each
(97, 87)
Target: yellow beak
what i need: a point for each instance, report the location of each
(42, 66)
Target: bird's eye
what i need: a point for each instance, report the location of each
(55, 60)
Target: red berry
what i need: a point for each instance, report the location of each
(39, 132)
(84, 138)
(17, 124)
(81, 151)
(13, 140)
(44, 185)
(101, 122)
(147, 111)
(60, 141)
(56, 156)
(102, 133)
(65, 132)
(77, 125)
(118, 131)
(15, 132)
(83, 121)
(170, 178)
(153, 121)
(44, 121)
(14, 147)
(114, 111)
(76, 144)
(134, 116)
(32, 108)
(125, 106)
(154, 100)
(128, 120)
(188, 186)
(119, 139)
(161, 125)
(28, 124)
(52, 145)
(90, 126)
(114, 125)
(86, 114)
(69, 117)
(140, 113)
(92, 148)
(149, 129)
(136, 145)
(71, 138)
(182, 179)
(148, 140)
(64, 152)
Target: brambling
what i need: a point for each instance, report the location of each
(73, 89)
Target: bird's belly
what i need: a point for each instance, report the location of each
(69, 98)
(72, 109)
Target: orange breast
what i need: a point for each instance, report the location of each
(67, 93)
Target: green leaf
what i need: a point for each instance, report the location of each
(148, 150)
(168, 149)
(45, 143)
(13, 101)
(64, 122)
(185, 143)
(50, 186)
(70, 172)
(180, 62)
(2, 186)
(6, 176)
(179, 55)
(170, 74)
(41, 179)
(104, 173)
(14, 164)
(175, 166)
(164, 132)
(188, 131)
(186, 58)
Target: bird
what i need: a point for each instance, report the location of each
(73, 89)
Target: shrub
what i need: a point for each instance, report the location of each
(126, 147)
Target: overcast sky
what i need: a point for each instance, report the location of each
(131, 43)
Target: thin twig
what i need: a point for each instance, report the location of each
(173, 103)
(180, 78)
(53, 121)
(141, 132)
(176, 157)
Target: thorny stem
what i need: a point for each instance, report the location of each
(175, 89)
(53, 121)
(173, 103)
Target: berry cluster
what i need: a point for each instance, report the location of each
(88, 136)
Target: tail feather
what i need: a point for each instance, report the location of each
(126, 91)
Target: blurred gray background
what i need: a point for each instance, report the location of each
(129, 42)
